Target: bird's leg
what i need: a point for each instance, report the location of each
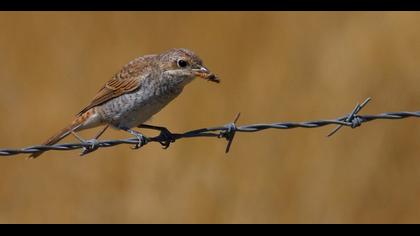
(142, 139)
(165, 134)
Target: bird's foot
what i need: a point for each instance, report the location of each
(166, 138)
(142, 140)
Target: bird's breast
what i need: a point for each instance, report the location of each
(132, 109)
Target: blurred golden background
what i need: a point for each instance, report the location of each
(274, 66)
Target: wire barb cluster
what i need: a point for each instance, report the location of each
(228, 132)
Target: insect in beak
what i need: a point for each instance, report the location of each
(204, 73)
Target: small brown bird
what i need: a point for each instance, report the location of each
(141, 89)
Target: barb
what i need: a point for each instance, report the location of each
(228, 132)
(356, 122)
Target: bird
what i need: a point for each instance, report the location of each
(142, 88)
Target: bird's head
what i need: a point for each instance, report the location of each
(184, 66)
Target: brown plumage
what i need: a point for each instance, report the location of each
(123, 82)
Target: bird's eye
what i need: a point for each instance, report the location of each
(182, 63)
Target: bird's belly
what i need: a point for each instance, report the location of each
(131, 110)
(137, 115)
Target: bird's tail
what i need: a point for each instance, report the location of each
(60, 135)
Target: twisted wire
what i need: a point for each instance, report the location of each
(227, 132)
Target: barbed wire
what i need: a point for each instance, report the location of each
(228, 131)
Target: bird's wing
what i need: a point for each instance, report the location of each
(127, 80)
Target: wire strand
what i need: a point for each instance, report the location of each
(227, 132)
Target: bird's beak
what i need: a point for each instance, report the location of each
(204, 73)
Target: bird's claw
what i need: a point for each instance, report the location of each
(142, 140)
(167, 138)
